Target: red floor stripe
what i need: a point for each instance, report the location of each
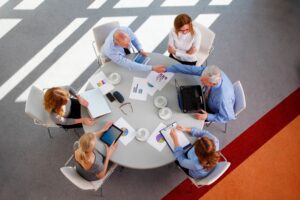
(246, 144)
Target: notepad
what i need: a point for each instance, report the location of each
(97, 103)
(141, 59)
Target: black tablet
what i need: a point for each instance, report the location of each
(111, 135)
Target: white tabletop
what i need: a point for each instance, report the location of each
(137, 154)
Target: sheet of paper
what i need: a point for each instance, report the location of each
(156, 140)
(129, 132)
(100, 80)
(150, 89)
(159, 80)
(138, 89)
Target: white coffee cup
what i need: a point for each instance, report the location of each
(165, 113)
(142, 134)
(160, 101)
(115, 78)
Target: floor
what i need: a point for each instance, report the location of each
(257, 42)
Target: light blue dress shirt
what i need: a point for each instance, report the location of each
(191, 162)
(221, 98)
(117, 53)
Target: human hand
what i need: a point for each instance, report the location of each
(181, 128)
(192, 50)
(171, 50)
(143, 53)
(110, 149)
(82, 101)
(88, 121)
(174, 137)
(201, 116)
(106, 126)
(159, 68)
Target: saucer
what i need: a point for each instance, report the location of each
(160, 101)
(115, 78)
(142, 134)
(165, 113)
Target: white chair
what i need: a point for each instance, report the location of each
(71, 174)
(206, 45)
(100, 34)
(35, 109)
(214, 175)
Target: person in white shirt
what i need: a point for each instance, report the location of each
(184, 40)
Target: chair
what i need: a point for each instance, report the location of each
(214, 175)
(206, 45)
(35, 109)
(100, 34)
(71, 174)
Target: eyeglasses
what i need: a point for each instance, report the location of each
(124, 105)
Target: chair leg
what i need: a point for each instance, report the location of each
(49, 133)
(225, 128)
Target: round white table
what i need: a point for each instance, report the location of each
(137, 154)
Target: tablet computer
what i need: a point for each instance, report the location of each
(111, 135)
(141, 59)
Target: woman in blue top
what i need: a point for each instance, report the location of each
(202, 157)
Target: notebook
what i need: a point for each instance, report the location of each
(182, 139)
(141, 59)
(97, 103)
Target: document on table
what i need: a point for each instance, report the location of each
(159, 80)
(156, 140)
(150, 89)
(138, 89)
(128, 132)
(100, 80)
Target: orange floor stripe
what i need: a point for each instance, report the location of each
(272, 172)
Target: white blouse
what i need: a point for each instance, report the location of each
(183, 42)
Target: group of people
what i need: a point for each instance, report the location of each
(63, 103)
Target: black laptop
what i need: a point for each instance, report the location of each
(190, 98)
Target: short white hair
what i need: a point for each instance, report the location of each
(213, 73)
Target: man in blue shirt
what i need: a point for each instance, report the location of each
(117, 45)
(219, 93)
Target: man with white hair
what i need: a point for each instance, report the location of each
(117, 45)
(219, 93)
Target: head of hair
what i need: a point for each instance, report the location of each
(55, 98)
(85, 143)
(182, 20)
(205, 150)
(121, 38)
(213, 73)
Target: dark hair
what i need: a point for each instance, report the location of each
(205, 150)
(182, 20)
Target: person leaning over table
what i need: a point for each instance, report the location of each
(63, 105)
(202, 157)
(219, 93)
(117, 45)
(184, 40)
(88, 161)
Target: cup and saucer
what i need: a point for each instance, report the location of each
(160, 101)
(114, 78)
(142, 134)
(165, 113)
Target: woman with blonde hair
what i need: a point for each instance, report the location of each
(202, 157)
(63, 105)
(89, 162)
(184, 40)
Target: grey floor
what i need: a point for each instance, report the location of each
(257, 42)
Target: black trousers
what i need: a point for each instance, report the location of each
(183, 62)
(75, 114)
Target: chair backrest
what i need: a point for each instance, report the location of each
(240, 99)
(216, 173)
(207, 37)
(35, 109)
(102, 31)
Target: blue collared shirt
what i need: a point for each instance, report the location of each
(221, 98)
(191, 161)
(117, 53)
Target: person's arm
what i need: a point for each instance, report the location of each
(226, 113)
(106, 126)
(109, 152)
(63, 120)
(134, 40)
(186, 69)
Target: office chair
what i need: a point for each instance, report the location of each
(206, 44)
(100, 34)
(214, 175)
(35, 109)
(71, 174)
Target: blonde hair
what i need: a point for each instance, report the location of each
(182, 20)
(55, 98)
(85, 142)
